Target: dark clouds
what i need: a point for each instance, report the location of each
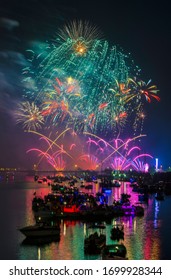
(8, 24)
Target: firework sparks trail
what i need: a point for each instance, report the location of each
(82, 83)
(55, 161)
(91, 160)
(92, 91)
(116, 150)
(29, 115)
(52, 142)
(122, 156)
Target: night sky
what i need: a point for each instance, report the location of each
(142, 28)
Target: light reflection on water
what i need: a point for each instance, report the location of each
(145, 237)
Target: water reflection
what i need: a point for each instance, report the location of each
(142, 235)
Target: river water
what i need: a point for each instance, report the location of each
(146, 237)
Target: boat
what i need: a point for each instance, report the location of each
(134, 184)
(37, 202)
(135, 210)
(89, 187)
(42, 180)
(40, 240)
(44, 215)
(116, 184)
(40, 230)
(125, 199)
(117, 232)
(114, 252)
(95, 240)
(70, 212)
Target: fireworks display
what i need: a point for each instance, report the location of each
(81, 83)
(29, 115)
(90, 152)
